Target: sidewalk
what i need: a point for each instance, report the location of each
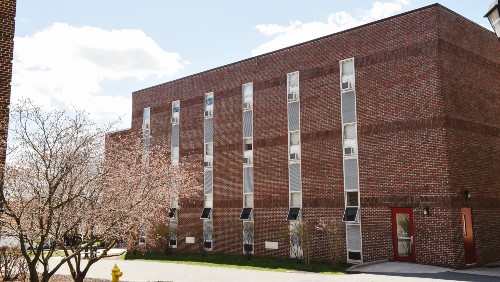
(404, 269)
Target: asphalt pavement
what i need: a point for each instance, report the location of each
(137, 270)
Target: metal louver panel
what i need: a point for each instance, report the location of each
(208, 182)
(348, 107)
(247, 124)
(248, 180)
(351, 173)
(175, 135)
(295, 177)
(293, 116)
(209, 130)
(353, 237)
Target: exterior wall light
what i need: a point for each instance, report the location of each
(426, 211)
(493, 16)
(466, 194)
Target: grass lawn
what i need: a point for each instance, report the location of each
(240, 261)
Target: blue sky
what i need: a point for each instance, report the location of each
(92, 54)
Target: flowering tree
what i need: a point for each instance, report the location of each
(66, 191)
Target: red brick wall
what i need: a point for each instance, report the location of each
(7, 25)
(414, 112)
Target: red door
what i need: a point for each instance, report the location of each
(402, 230)
(468, 233)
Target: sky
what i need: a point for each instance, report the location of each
(91, 55)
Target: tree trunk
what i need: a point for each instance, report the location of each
(33, 272)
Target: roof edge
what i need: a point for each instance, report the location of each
(312, 40)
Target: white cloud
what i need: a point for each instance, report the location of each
(297, 32)
(65, 66)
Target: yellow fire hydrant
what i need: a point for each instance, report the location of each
(116, 274)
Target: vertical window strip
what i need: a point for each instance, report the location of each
(350, 163)
(294, 147)
(247, 151)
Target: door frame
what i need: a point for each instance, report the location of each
(468, 236)
(409, 211)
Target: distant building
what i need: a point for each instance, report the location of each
(392, 127)
(7, 24)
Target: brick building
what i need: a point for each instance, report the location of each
(391, 128)
(7, 24)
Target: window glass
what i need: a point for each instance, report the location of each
(209, 201)
(209, 149)
(293, 83)
(347, 78)
(247, 144)
(294, 138)
(348, 67)
(247, 93)
(209, 102)
(146, 118)
(248, 200)
(295, 199)
(350, 131)
(352, 199)
(175, 153)
(293, 79)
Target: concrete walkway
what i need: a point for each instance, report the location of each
(413, 270)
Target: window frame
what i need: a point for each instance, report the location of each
(249, 84)
(209, 95)
(344, 147)
(353, 82)
(290, 145)
(174, 104)
(288, 92)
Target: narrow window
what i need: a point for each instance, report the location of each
(293, 214)
(350, 214)
(295, 199)
(175, 155)
(294, 139)
(248, 236)
(176, 107)
(209, 105)
(207, 235)
(247, 150)
(172, 213)
(246, 214)
(293, 86)
(248, 200)
(209, 201)
(172, 233)
(143, 234)
(205, 214)
(247, 96)
(352, 199)
(347, 75)
(146, 119)
(350, 140)
(208, 154)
